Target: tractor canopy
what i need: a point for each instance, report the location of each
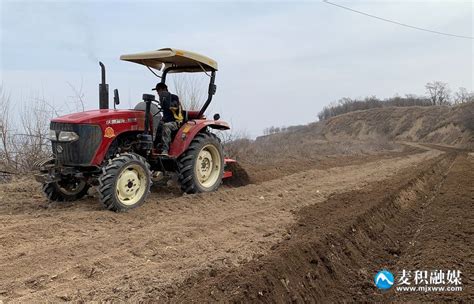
(173, 59)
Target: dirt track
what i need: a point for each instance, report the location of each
(296, 237)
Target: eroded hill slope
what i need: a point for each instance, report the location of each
(435, 124)
(447, 125)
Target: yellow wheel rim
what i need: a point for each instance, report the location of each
(208, 166)
(131, 184)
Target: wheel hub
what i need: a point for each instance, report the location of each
(128, 185)
(208, 166)
(205, 165)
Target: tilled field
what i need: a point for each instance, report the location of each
(317, 235)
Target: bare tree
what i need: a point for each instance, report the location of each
(5, 124)
(24, 137)
(32, 143)
(271, 130)
(78, 97)
(237, 143)
(346, 105)
(463, 96)
(439, 92)
(191, 91)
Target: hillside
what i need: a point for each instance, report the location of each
(352, 137)
(434, 124)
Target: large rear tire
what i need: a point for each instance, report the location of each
(125, 182)
(201, 167)
(66, 190)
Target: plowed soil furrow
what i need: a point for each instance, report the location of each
(445, 237)
(81, 252)
(420, 218)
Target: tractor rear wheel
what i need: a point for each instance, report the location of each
(201, 167)
(125, 182)
(65, 190)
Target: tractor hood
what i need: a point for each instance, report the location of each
(184, 60)
(99, 116)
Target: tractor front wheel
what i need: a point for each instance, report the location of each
(66, 190)
(125, 182)
(201, 167)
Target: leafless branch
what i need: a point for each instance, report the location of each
(191, 91)
(78, 96)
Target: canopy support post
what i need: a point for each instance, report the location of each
(211, 92)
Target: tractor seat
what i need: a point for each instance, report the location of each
(190, 115)
(155, 111)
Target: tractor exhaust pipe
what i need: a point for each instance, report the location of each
(103, 90)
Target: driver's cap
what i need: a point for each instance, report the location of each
(160, 86)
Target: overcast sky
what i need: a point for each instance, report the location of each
(279, 62)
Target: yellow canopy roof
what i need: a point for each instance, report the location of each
(188, 61)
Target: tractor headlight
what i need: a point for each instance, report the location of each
(67, 136)
(52, 135)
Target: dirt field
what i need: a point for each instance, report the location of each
(315, 233)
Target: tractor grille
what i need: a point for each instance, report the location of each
(81, 151)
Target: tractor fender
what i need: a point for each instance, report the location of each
(107, 142)
(188, 131)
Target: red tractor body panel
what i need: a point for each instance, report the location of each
(100, 116)
(111, 122)
(115, 122)
(188, 131)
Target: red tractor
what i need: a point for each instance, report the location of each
(116, 150)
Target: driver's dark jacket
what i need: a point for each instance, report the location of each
(168, 100)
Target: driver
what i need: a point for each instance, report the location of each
(172, 115)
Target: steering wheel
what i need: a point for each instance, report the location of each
(158, 105)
